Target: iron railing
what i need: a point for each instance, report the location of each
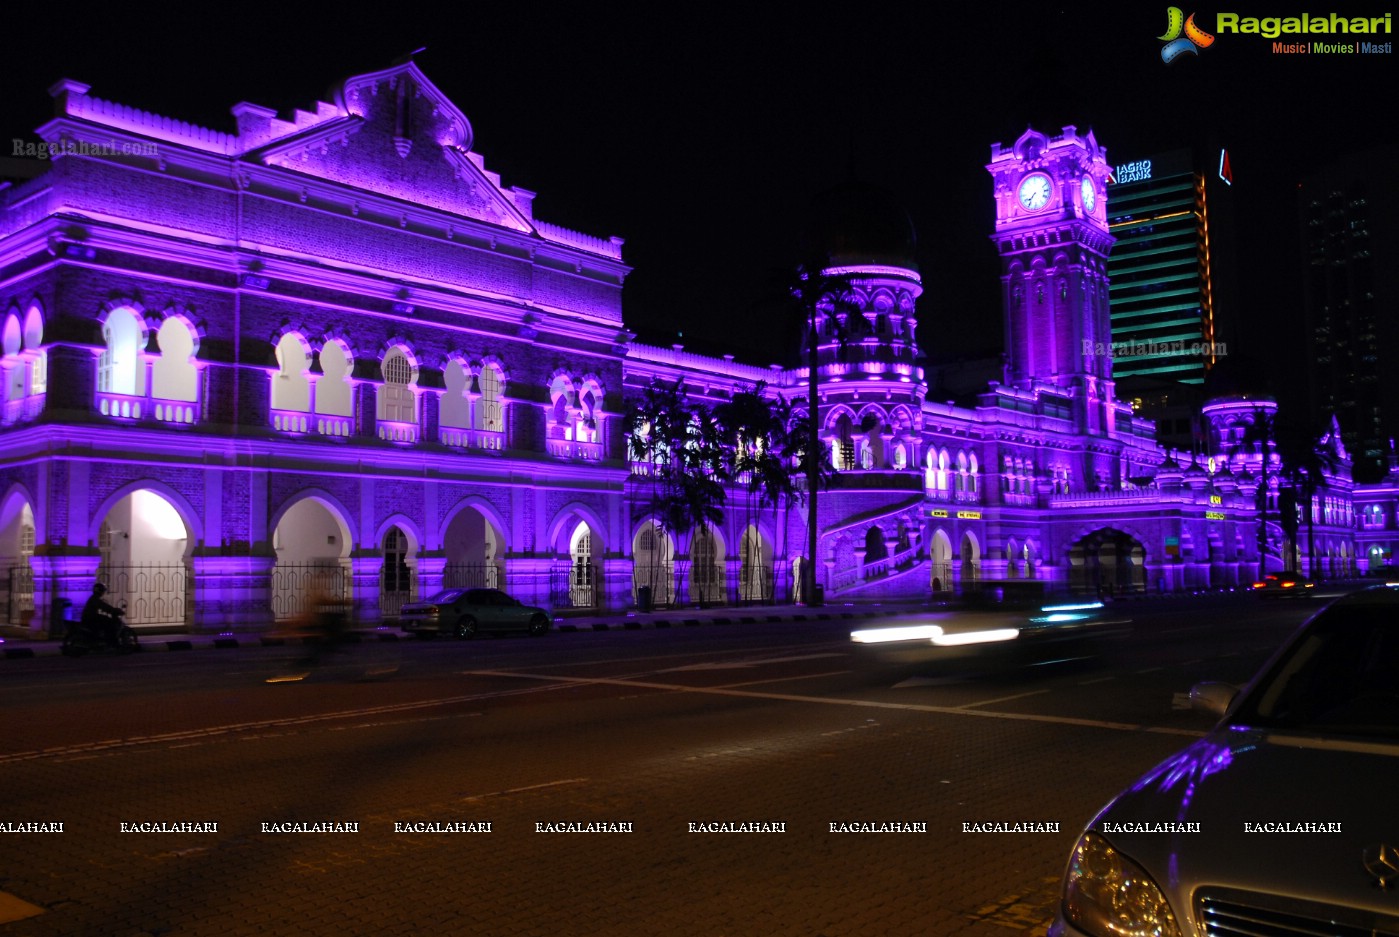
(298, 588)
(153, 593)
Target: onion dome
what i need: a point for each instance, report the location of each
(855, 224)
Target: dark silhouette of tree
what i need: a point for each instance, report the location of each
(676, 449)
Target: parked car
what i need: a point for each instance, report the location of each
(1281, 821)
(466, 612)
(1287, 584)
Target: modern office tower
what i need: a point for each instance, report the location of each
(1348, 214)
(1165, 213)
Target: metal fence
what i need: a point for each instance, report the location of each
(154, 594)
(19, 595)
(298, 588)
(473, 576)
(577, 586)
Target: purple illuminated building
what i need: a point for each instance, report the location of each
(332, 354)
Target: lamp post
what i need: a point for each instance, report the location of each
(813, 446)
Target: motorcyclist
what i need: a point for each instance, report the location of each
(101, 618)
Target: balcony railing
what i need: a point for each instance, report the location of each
(573, 449)
(461, 437)
(144, 406)
(321, 424)
(397, 431)
(24, 409)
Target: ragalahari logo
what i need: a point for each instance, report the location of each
(1176, 44)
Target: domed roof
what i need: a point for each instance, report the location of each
(1237, 376)
(856, 224)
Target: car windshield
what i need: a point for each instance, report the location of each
(1340, 678)
(446, 596)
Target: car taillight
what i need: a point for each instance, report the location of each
(434, 610)
(1260, 585)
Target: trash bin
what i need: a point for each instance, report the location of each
(643, 599)
(58, 617)
(818, 594)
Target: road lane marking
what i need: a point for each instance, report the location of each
(805, 676)
(1000, 699)
(521, 790)
(741, 664)
(858, 703)
(1097, 680)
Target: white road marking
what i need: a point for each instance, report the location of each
(859, 703)
(743, 664)
(1000, 699)
(521, 790)
(805, 676)
(1098, 680)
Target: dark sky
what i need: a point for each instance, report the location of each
(702, 136)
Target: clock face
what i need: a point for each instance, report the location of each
(1090, 194)
(1034, 192)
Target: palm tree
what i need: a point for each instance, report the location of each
(1309, 457)
(678, 443)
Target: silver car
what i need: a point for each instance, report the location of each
(1282, 821)
(468, 612)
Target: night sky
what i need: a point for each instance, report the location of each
(702, 137)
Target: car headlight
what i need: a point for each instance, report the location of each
(1108, 895)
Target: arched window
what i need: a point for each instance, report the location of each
(942, 479)
(563, 404)
(396, 398)
(174, 376)
(397, 411)
(120, 368)
(290, 388)
(971, 474)
(454, 412)
(333, 397)
(488, 408)
(14, 367)
(37, 354)
(843, 448)
(589, 402)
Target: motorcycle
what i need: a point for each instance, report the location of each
(107, 633)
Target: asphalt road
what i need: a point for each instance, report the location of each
(579, 783)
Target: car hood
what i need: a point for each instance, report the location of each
(1237, 776)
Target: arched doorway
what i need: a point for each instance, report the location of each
(475, 551)
(16, 549)
(706, 567)
(941, 555)
(144, 544)
(398, 577)
(755, 567)
(582, 569)
(312, 544)
(1107, 561)
(971, 559)
(653, 564)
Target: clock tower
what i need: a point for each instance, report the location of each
(1052, 234)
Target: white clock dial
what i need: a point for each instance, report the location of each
(1090, 194)
(1034, 192)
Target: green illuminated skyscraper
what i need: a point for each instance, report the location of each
(1166, 213)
